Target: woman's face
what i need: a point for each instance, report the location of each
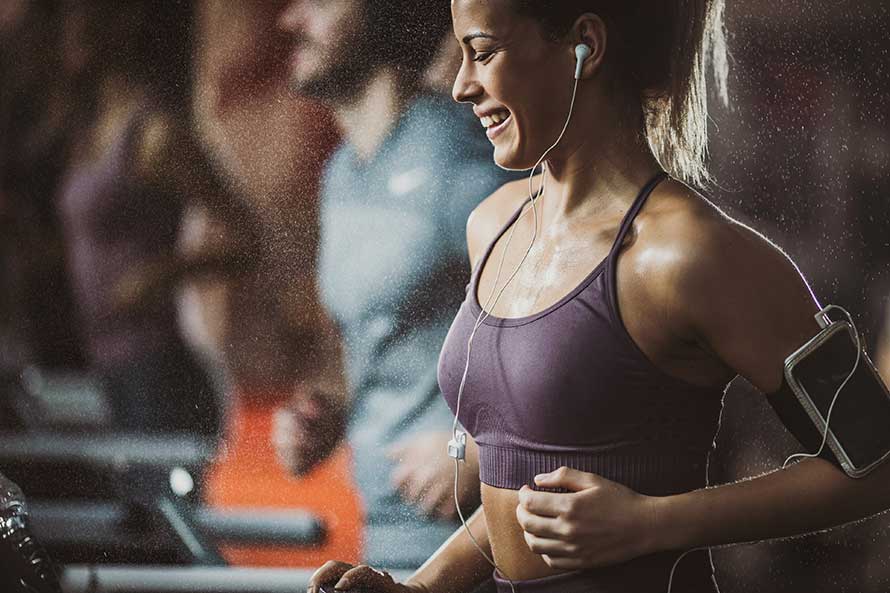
(519, 83)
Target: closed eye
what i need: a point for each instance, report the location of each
(483, 56)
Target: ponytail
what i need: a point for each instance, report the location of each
(664, 52)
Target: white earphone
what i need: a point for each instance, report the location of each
(457, 445)
(582, 52)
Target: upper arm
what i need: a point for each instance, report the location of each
(738, 296)
(883, 352)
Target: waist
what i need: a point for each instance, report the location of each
(647, 574)
(652, 471)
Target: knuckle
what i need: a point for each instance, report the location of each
(570, 512)
(569, 530)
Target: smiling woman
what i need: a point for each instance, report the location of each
(606, 330)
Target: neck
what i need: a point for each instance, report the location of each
(367, 118)
(599, 169)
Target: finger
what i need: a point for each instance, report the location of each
(568, 478)
(446, 508)
(364, 576)
(433, 498)
(328, 572)
(552, 547)
(564, 563)
(545, 504)
(419, 483)
(548, 527)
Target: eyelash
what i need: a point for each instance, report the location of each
(483, 56)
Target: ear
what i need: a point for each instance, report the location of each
(591, 30)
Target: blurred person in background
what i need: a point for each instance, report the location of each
(134, 166)
(394, 202)
(39, 99)
(263, 331)
(498, 68)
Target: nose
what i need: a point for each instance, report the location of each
(465, 87)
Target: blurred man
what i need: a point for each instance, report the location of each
(260, 328)
(395, 199)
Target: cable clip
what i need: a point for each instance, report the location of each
(457, 446)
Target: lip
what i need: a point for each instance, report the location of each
(496, 130)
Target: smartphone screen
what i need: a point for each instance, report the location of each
(861, 417)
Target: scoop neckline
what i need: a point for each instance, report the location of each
(494, 320)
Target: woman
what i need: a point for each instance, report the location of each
(134, 166)
(609, 377)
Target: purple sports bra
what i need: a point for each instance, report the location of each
(568, 386)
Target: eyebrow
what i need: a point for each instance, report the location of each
(477, 35)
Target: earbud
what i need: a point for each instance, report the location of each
(582, 50)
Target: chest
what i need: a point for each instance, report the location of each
(383, 249)
(566, 377)
(559, 259)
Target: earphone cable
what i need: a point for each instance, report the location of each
(827, 419)
(486, 310)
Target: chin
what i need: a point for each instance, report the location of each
(511, 160)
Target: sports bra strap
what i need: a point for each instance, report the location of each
(634, 209)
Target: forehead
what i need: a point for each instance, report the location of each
(495, 17)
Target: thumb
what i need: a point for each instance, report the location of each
(568, 478)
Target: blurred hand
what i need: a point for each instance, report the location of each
(424, 475)
(343, 576)
(308, 428)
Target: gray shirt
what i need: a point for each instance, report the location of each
(392, 272)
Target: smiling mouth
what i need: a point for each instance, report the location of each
(495, 122)
(494, 119)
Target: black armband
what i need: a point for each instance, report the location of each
(797, 422)
(832, 393)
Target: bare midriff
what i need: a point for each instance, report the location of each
(508, 546)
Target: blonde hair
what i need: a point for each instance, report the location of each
(664, 52)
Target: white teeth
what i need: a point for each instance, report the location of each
(494, 119)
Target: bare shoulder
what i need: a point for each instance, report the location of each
(492, 214)
(725, 285)
(696, 239)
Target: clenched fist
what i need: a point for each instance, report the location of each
(308, 428)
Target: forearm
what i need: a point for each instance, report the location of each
(882, 358)
(457, 566)
(805, 497)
